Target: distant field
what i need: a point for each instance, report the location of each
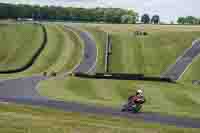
(18, 44)
(142, 27)
(26, 119)
(61, 46)
(152, 54)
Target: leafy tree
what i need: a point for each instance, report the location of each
(145, 19)
(4, 11)
(134, 16)
(198, 21)
(127, 19)
(109, 15)
(181, 20)
(190, 20)
(155, 19)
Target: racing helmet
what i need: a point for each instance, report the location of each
(139, 92)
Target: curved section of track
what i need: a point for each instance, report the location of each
(90, 52)
(21, 87)
(26, 87)
(176, 70)
(74, 107)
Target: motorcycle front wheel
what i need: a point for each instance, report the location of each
(137, 108)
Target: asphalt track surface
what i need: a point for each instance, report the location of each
(176, 70)
(90, 52)
(106, 111)
(23, 91)
(20, 87)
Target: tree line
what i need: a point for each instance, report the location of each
(107, 15)
(104, 15)
(188, 20)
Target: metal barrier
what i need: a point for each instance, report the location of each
(123, 76)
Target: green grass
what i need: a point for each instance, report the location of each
(144, 27)
(151, 55)
(26, 119)
(181, 100)
(61, 47)
(18, 44)
(127, 55)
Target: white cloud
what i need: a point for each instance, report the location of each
(167, 9)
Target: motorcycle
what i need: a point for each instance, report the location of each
(134, 108)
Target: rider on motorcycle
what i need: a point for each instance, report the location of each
(137, 99)
(135, 102)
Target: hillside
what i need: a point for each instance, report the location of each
(18, 44)
(151, 54)
(61, 46)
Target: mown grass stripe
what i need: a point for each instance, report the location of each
(33, 58)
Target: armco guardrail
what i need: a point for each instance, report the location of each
(34, 57)
(108, 51)
(123, 76)
(120, 75)
(106, 55)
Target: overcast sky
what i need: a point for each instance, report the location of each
(167, 9)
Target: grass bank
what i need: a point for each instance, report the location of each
(151, 54)
(19, 118)
(62, 45)
(18, 44)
